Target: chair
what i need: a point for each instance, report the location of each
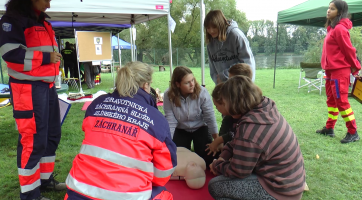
(313, 78)
(72, 82)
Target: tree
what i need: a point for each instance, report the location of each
(282, 38)
(356, 39)
(153, 34)
(314, 51)
(254, 47)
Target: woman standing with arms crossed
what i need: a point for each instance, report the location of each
(28, 46)
(339, 60)
(227, 45)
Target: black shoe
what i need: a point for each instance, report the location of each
(52, 184)
(41, 198)
(326, 131)
(350, 138)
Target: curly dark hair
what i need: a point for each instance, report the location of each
(23, 7)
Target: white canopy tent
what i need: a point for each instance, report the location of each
(108, 12)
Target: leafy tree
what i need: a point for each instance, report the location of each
(314, 52)
(153, 34)
(254, 47)
(356, 39)
(282, 38)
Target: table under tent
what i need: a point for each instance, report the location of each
(313, 13)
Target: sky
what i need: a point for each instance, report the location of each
(265, 9)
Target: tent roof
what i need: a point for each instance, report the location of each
(122, 44)
(314, 12)
(66, 30)
(107, 12)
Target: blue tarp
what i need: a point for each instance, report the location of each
(122, 44)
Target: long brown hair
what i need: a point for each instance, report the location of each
(241, 95)
(174, 92)
(342, 8)
(216, 18)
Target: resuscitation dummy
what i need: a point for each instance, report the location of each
(190, 167)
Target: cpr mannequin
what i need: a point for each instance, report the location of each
(190, 167)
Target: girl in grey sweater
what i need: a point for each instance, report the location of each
(190, 113)
(226, 46)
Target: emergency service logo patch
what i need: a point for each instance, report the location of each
(6, 27)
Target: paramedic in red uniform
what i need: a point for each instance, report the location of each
(127, 152)
(28, 46)
(339, 60)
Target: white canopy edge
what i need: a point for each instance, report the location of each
(107, 12)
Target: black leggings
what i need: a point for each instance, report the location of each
(225, 188)
(200, 137)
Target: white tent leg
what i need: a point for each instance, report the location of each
(202, 16)
(131, 40)
(77, 48)
(119, 58)
(169, 44)
(134, 43)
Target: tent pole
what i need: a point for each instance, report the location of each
(275, 58)
(119, 58)
(1, 72)
(112, 63)
(202, 16)
(59, 44)
(119, 52)
(62, 61)
(134, 43)
(77, 49)
(130, 36)
(169, 42)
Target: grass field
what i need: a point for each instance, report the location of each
(335, 175)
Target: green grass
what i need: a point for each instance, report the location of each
(336, 175)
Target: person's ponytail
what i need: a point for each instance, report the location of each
(132, 76)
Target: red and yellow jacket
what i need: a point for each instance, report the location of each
(338, 51)
(127, 149)
(25, 45)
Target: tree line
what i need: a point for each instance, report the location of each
(299, 40)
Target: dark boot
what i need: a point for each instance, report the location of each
(326, 131)
(53, 184)
(350, 138)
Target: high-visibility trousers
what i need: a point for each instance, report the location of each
(337, 83)
(37, 115)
